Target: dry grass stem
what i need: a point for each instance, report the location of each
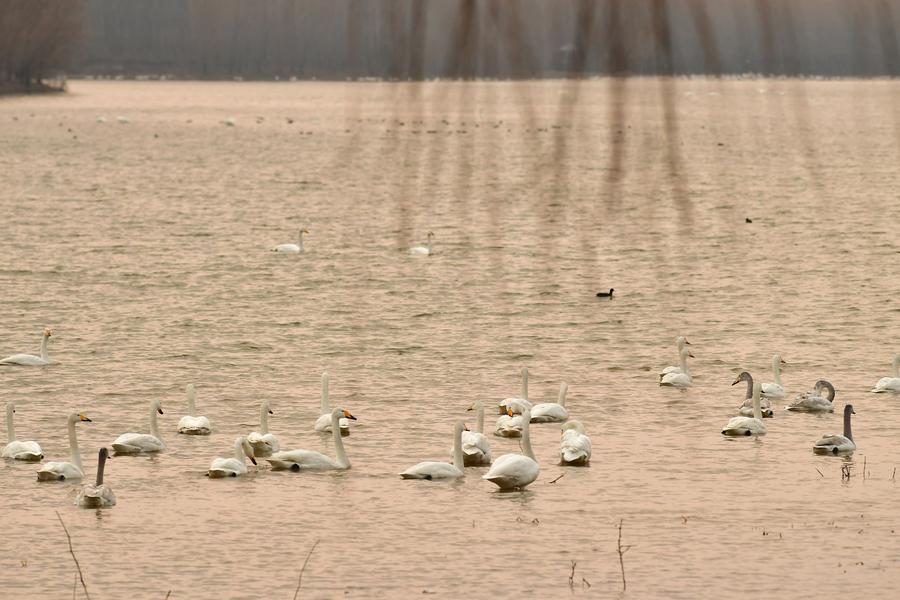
(622, 550)
(75, 558)
(558, 478)
(305, 562)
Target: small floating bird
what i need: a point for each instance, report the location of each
(263, 442)
(189, 424)
(423, 250)
(516, 471)
(890, 384)
(680, 343)
(838, 444)
(575, 446)
(310, 460)
(746, 409)
(814, 401)
(61, 471)
(98, 495)
(27, 360)
(681, 379)
(139, 443)
(552, 412)
(293, 248)
(775, 391)
(606, 294)
(475, 446)
(235, 466)
(754, 425)
(25, 451)
(440, 470)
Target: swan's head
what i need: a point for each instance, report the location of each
(104, 454)
(848, 410)
(189, 388)
(304, 230)
(509, 411)
(744, 376)
(576, 425)
(777, 360)
(430, 235)
(11, 408)
(247, 448)
(340, 412)
(460, 427)
(265, 407)
(75, 417)
(475, 406)
(157, 406)
(685, 352)
(47, 332)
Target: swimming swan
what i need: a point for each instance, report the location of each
(510, 424)
(575, 446)
(310, 460)
(552, 412)
(775, 391)
(28, 451)
(323, 423)
(838, 444)
(28, 360)
(60, 471)
(680, 342)
(193, 425)
(890, 384)
(475, 446)
(517, 404)
(682, 378)
(814, 401)
(423, 250)
(235, 466)
(748, 425)
(515, 471)
(137, 443)
(746, 409)
(294, 248)
(98, 495)
(263, 442)
(441, 470)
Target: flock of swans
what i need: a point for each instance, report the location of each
(513, 471)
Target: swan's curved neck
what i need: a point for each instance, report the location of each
(338, 440)
(73, 446)
(325, 406)
(101, 464)
(847, 432)
(526, 436)
(154, 425)
(264, 418)
(776, 369)
(480, 416)
(192, 396)
(563, 388)
(459, 460)
(10, 428)
(525, 384)
(44, 347)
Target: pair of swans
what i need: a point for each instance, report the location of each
(310, 460)
(682, 377)
(98, 495)
(423, 250)
(890, 384)
(746, 409)
(545, 412)
(14, 449)
(263, 443)
(234, 466)
(30, 360)
(323, 423)
(189, 424)
(835, 443)
(141, 443)
(575, 445)
(292, 248)
(814, 401)
(61, 471)
(680, 343)
(742, 426)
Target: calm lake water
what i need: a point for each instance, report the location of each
(145, 246)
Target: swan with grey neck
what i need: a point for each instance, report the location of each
(323, 423)
(61, 471)
(775, 391)
(746, 409)
(292, 248)
(575, 445)
(235, 466)
(310, 460)
(552, 412)
(440, 470)
(263, 442)
(838, 444)
(754, 425)
(191, 425)
(517, 404)
(890, 384)
(139, 443)
(423, 250)
(25, 451)
(683, 378)
(814, 401)
(516, 471)
(680, 343)
(30, 360)
(98, 495)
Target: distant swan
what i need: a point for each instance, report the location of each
(746, 409)
(295, 248)
(323, 423)
(475, 446)
(235, 466)
(748, 425)
(680, 343)
(310, 460)
(60, 471)
(575, 446)
(98, 495)
(552, 412)
(28, 360)
(263, 442)
(890, 384)
(838, 444)
(517, 404)
(515, 471)
(423, 250)
(441, 470)
(775, 391)
(814, 401)
(26, 451)
(683, 377)
(191, 425)
(137, 443)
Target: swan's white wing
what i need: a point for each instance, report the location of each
(286, 248)
(302, 460)
(513, 471)
(669, 369)
(575, 447)
(476, 449)
(25, 360)
(431, 470)
(744, 426)
(765, 406)
(549, 412)
(133, 443)
(833, 444)
(676, 380)
(323, 424)
(17, 450)
(227, 467)
(57, 471)
(95, 496)
(887, 384)
(263, 444)
(809, 402)
(419, 250)
(509, 426)
(774, 391)
(194, 425)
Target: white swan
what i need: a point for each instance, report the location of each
(28, 451)
(29, 360)
(748, 425)
(680, 343)
(193, 425)
(814, 401)
(517, 404)
(263, 442)
(235, 466)
(515, 471)
(890, 384)
(475, 446)
(423, 250)
(552, 412)
(575, 446)
(310, 460)
(323, 423)
(838, 444)
(746, 409)
(683, 377)
(441, 470)
(60, 471)
(294, 248)
(98, 495)
(510, 424)
(137, 443)
(775, 391)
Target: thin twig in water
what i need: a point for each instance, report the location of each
(572, 575)
(820, 472)
(75, 558)
(300, 577)
(864, 468)
(622, 550)
(169, 593)
(894, 473)
(585, 582)
(558, 478)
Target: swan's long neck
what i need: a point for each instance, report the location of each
(757, 409)
(897, 366)
(749, 388)
(44, 347)
(776, 369)
(300, 239)
(73, 445)
(525, 383)
(325, 406)
(101, 464)
(239, 450)
(526, 435)
(563, 388)
(192, 396)
(338, 440)
(10, 428)
(847, 433)
(679, 342)
(683, 363)
(154, 424)
(480, 417)
(264, 418)
(459, 461)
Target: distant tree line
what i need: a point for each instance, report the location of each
(37, 38)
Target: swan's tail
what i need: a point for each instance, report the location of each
(125, 449)
(49, 476)
(574, 456)
(405, 475)
(219, 473)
